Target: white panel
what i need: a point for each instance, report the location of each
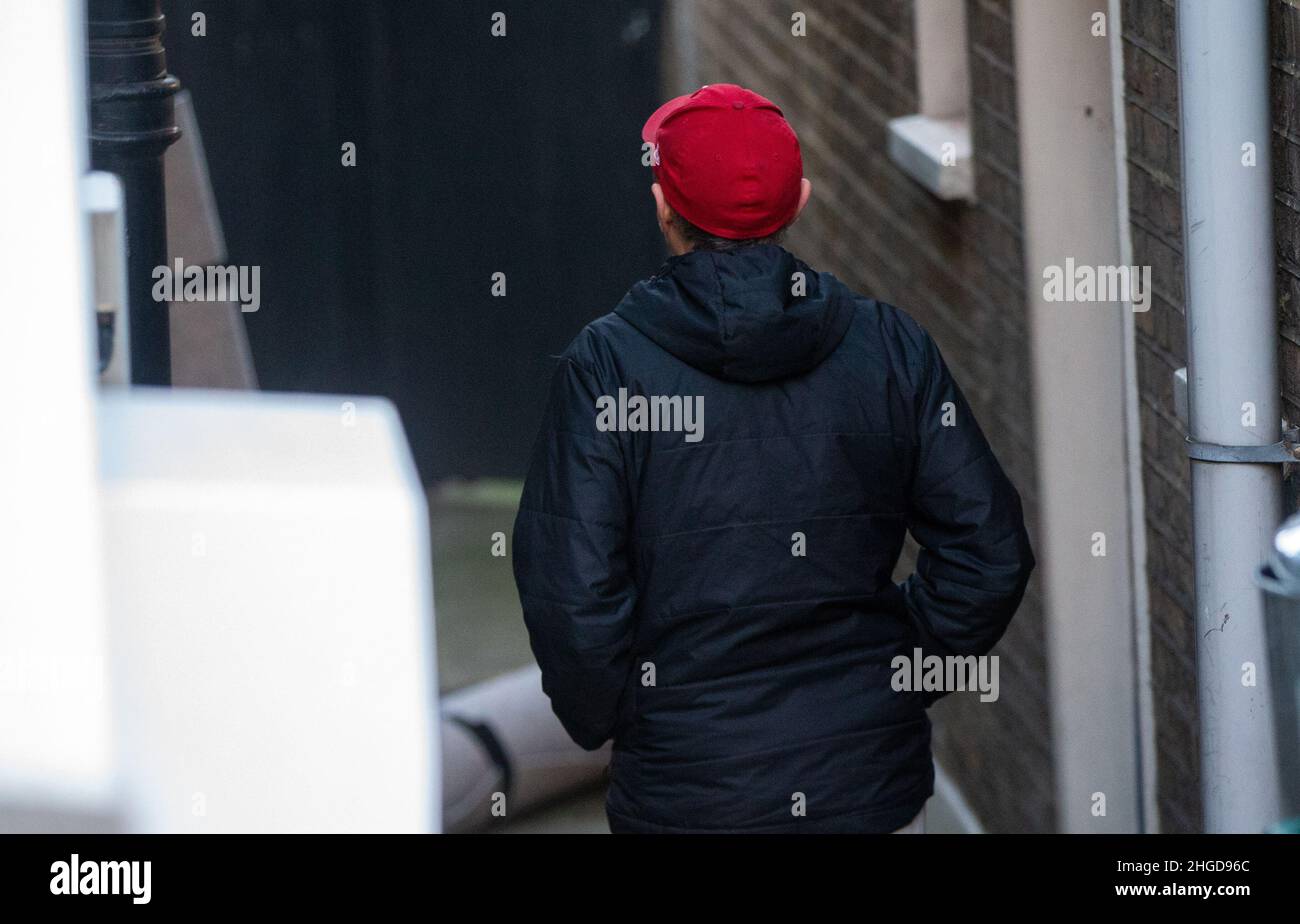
(54, 729)
(272, 614)
(942, 74)
(1082, 386)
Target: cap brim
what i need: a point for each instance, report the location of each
(651, 127)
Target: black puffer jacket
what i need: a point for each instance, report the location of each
(660, 578)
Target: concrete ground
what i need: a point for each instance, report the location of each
(585, 814)
(481, 631)
(480, 628)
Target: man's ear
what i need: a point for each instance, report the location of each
(805, 191)
(663, 211)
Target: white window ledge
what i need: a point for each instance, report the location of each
(936, 153)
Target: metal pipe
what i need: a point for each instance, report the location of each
(1223, 71)
(131, 125)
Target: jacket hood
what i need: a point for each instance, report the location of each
(735, 315)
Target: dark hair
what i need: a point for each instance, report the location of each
(699, 239)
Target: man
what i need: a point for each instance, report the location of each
(719, 495)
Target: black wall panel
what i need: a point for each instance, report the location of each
(475, 155)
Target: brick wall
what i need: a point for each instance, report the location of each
(1151, 108)
(1155, 214)
(958, 269)
(1285, 23)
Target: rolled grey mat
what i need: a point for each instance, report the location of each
(500, 736)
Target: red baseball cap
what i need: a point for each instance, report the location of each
(727, 160)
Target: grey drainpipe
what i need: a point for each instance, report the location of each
(1223, 72)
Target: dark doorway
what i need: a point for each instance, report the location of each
(475, 155)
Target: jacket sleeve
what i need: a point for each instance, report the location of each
(965, 514)
(570, 560)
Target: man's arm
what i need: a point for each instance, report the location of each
(975, 558)
(570, 561)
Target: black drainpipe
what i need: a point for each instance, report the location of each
(131, 125)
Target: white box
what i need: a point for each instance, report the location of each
(270, 614)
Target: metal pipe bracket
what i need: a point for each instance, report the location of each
(1284, 450)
